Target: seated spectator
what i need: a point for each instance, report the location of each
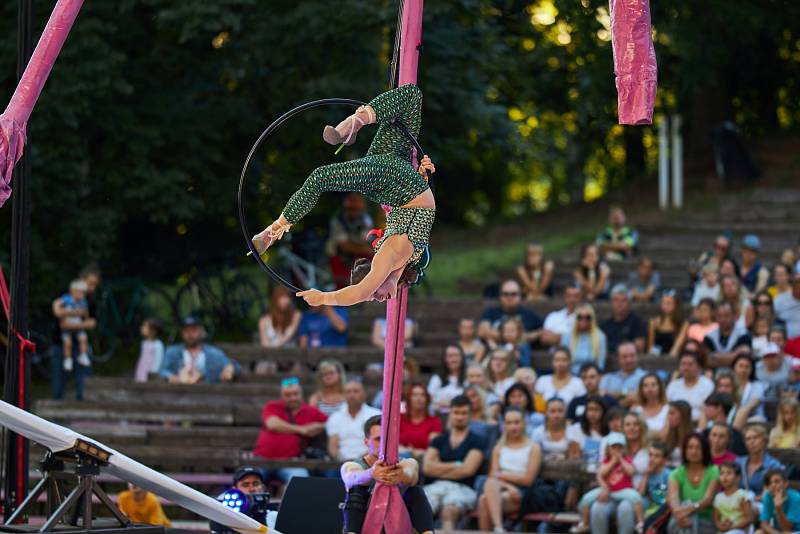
(728, 340)
(278, 326)
(347, 237)
(194, 361)
(704, 322)
(644, 281)
(410, 376)
(451, 463)
(288, 427)
(761, 307)
(379, 332)
(590, 376)
(717, 409)
(142, 506)
(500, 371)
(624, 325)
(536, 274)
(730, 268)
(519, 396)
(474, 350)
(151, 352)
(732, 292)
(585, 434)
(634, 428)
(512, 339)
(786, 433)
(789, 258)
(793, 387)
(329, 396)
(708, 286)
(757, 461)
(666, 332)
(562, 383)
(773, 371)
(750, 392)
(515, 464)
(679, 426)
(323, 326)
(552, 435)
(623, 385)
(733, 511)
(692, 487)
(449, 382)
(782, 275)
(719, 439)
(615, 477)
(618, 241)
(527, 377)
(476, 376)
(655, 482)
(592, 275)
(345, 426)
(481, 415)
(586, 340)
(720, 252)
(360, 475)
(559, 322)
(760, 337)
(693, 387)
(754, 275)
(417, 426)
(510, 307)
(781, 510)
(73, 312)
(651, 404)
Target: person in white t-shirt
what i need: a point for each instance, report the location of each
(559, 322)
(562, 383)
(693, 387)
(345, 427)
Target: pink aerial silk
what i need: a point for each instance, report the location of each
(14, 120)
(387, 510)
(634, 60)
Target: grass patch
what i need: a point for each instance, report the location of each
(453, 265)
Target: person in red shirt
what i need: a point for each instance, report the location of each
(417, 426)
(288, 425)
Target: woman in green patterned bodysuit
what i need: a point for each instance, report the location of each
(386, 176)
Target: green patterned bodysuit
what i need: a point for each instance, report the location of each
(385, 175)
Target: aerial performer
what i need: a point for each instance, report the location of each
(385, 175)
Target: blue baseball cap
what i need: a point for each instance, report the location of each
(752, 242)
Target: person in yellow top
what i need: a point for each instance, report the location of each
(786, 433)
(141, 506)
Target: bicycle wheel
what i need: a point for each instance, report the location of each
(244, 303)
(194, 299)
(158, 304)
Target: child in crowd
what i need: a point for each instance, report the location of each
(655, 482)
(474, 349)
(512, 339)
(786, 434)
(151, 352)
(615, 479)
(704, 317)
(77, 309)
(708, 286)
(733, 511)
(760, 336)
(780, 511)
(644, 281)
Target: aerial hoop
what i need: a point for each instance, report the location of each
(260, 141)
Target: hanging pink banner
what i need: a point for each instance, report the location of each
(387, 512)
(634, 60)
(14, 120)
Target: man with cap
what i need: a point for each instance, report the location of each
(249, 480)
(787, 308)
(193, 361)
(773, 370)
(755, 277)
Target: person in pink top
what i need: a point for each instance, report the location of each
(704, 315)
(615, 479)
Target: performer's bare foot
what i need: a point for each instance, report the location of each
(274, 232)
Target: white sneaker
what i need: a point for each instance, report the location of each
(68, 364)
(84, 360)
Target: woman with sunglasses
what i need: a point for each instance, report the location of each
(331, 379)
(667, 331)
(586, 341)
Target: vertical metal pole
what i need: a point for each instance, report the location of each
(17, 369)
(677, 162)
(663, 164)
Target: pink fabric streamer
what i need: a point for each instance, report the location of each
(14, 120)
(387, 510)
(634, 60)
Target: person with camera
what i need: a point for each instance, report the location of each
(289, 428)
(250, 481)
(361, 474)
